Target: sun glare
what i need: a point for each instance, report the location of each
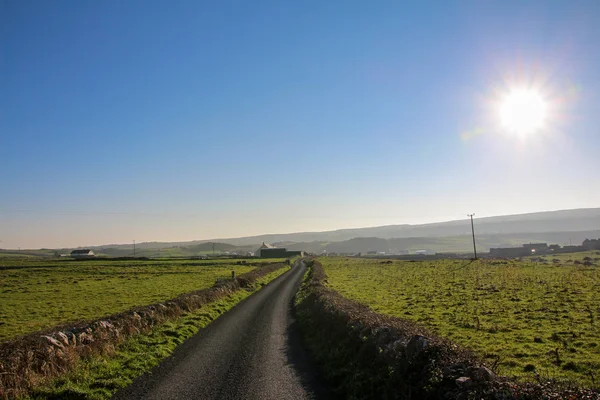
(523, 111)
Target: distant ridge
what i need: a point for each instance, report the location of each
(560, 227)
(582, 219)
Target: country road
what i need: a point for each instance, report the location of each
(251, 352)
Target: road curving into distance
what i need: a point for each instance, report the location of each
(251, 352)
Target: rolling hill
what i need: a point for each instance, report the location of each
(561, 227)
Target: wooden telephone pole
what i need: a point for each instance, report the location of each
(473, 232)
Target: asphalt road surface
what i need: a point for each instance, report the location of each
(251, 352)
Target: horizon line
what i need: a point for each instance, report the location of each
(305, 232)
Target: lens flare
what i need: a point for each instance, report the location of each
(523, 111)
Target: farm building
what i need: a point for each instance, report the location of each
(509, 252)
(82, 253)
(525, 250)
(571, 249)
(593, 244)
(537, 248)
(543, 248)
(268, 251)
(264, 246)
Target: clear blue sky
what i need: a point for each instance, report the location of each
(157, 120)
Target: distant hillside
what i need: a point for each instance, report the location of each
(559, 227)
(174, 250)
(543, 222)
(459, 243)
(456, 243)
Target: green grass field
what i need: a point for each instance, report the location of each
(99, 377)
(521, 317)
(55, 292)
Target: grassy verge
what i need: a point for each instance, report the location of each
(94, 360)
(367, 355)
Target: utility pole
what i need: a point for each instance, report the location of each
(473, 231)
(134, 248)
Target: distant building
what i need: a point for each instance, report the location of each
(572, 249)
(82, 253)
(525, 250)
(536, 248)
(264, 246)
(593, 244)
(268, 251)
(509, 252)
(280, 252)
(543, 248)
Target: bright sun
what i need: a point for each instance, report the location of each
(523, 111)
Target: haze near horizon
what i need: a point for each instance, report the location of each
(180, 121)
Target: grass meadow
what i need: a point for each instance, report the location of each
(48, 293)
(100, 376)
(526, 319)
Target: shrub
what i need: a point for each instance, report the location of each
(529, 368)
